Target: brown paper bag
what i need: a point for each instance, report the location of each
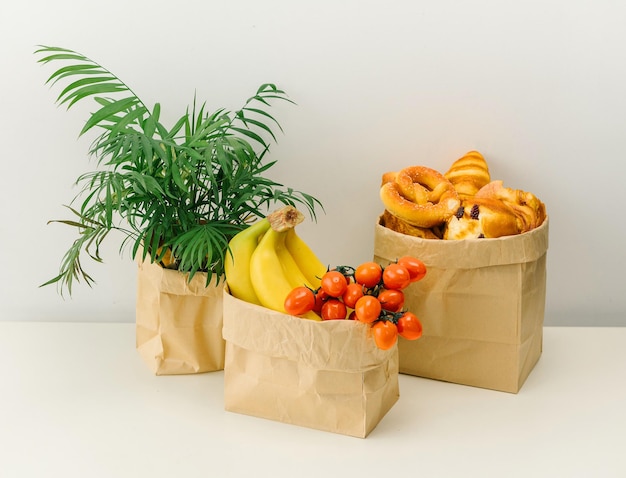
(324, 375)
(179, 323)
(481, 304)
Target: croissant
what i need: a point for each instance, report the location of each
(469, 173)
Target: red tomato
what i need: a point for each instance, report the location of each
(416, 268)
(334, 309)
(409, 326)
(367, 309)
(353, 293)
(396, 276)
(299, 301)
(334, 283)
(368, 274)
(352, 315)
(391, 300)
(385, 334)
(320, 298)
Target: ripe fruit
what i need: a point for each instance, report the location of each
(391, 300)
(371, 294)
(409, 326)
(385, 334)
(367, 309)
(299, 301)
(334, 283)
(396, 276)
(368, 274)
(352, 293)
(320, 298)
(334, 309)
(416, 268)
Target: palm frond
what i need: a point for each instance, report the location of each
(87, 84)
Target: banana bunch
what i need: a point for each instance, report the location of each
(268, 260)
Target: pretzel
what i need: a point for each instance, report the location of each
(419, 195)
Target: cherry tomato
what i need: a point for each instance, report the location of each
(416, 268)
(409, 326)
(352, 293)
(352, 315)
(367, 309)
(385, 334)
(396, 276)
(299, 301)
(334, 283)
(391, 300)
(368, 274)
(320, 298)
(334, 309)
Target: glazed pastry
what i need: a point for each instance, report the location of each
(531, 212)
(479, 218)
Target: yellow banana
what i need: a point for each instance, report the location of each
(267, 272)
(292, 272)
(237, 261)
(306, 260)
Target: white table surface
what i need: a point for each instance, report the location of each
(76, 400)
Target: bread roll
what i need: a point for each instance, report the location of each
(394, 223)
(469, 173)
(482, 218)
(527, 207)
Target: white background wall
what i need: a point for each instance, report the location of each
(537, 86)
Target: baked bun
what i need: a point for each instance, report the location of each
(469, 173)
(530, 211)
(482, 218)
(394, 223)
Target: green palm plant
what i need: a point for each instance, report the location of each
(183, 192)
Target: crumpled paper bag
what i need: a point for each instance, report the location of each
(324, 375)
(178, 323)
(481, 304)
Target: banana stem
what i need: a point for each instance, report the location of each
(285, 218)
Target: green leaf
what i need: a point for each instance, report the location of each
(106, 112)
(91, 90)
(74, 70)
(61, 56)
(149, 126)
(262, 113)
(250, 134)
(132, 117)
(260, 125)
(76, 85)
(183, 121)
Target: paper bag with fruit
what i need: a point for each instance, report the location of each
(484, 244)
(307, 344)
